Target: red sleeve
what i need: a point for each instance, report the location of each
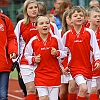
(11, 37)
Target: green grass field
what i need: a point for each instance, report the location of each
(14, 74)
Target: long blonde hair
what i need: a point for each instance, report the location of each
(64, 23)
(26, 3)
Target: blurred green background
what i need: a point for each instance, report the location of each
(13, 7)
(14, 74)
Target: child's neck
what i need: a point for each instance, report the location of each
(77, 29)
(93, 27)
(44, 37)
(32, 19)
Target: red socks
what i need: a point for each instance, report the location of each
(81, 98)
(72, 96)
(94, 97)
(31, 97)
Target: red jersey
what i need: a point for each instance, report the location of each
(25, 32)
(81, 46)
(97, 73)
(87, 24)
(47, 72)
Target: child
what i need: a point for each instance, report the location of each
(66, 23)
(94, 18)
(81, 41)
(25, 30)
(51, 17)
(43, 51)
(66, 80)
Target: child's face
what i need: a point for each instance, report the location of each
(52, 19)
(32, 10)
(95, 18)
(77, 18)
(43, 25)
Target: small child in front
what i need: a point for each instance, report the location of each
(43, 51)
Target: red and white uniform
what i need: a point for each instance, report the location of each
(87, 24)
(97, 73)
(48, 70)
(82, 47)
(8, 44)
(25, 32)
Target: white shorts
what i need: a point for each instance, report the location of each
(96, 82)
(51, 92)
(27, 72)
(66, 78)
(80, 79)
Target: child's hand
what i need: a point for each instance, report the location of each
(62, 70)
(13, 56)
(66, 70)
(38, 58)
(53, 51)
(97, 66)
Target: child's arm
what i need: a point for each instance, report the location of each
(96, 51)
(62, 52)
(29, 51)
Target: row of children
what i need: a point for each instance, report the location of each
(47, 52)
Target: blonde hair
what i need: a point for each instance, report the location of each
(64, 23)
(93, 9)
(51, 16)
(78, 9)
(84, 10)
(36, 22)
(26, 17)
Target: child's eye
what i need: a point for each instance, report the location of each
(95, 16)
(47, 22)
(81, 15)
(41, 23)
(30, 7)
(74, 16)
(36, 7)
(99, 16)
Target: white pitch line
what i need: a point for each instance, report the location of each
(15, 96)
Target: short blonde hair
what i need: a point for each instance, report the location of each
(92, 9)
(44, 15)
(78, 9)
(26, 3)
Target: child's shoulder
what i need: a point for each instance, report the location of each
(89, 30)
(69, 31)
